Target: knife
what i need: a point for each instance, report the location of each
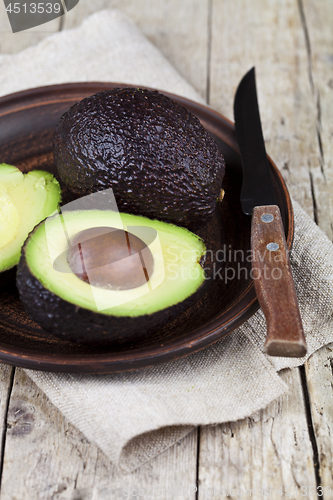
(271, 270)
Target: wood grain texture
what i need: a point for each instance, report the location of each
(317, 20)
(47, 458)
(274, 284)
(271, 38)
(265, 452)
(319, 374)
(6, 381)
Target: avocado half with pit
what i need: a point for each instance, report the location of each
(155, 155)
(80, 304)
(25, 200)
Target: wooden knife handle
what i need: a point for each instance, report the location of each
(274, 284)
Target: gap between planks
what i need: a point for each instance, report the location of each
(4, 420)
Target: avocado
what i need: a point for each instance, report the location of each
(63, 301)
(155, 155)
(25, 200)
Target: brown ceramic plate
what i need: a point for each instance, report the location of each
(27, 122)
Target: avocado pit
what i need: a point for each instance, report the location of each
(111, 258)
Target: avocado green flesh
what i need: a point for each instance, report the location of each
(177, 273)
(25, 200)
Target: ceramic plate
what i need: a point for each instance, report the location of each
(27, 123)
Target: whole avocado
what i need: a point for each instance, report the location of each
(155, 155)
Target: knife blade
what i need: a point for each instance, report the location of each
(271, 269)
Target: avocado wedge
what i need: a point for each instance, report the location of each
(155, 155)
(67, 306)
(25, 200)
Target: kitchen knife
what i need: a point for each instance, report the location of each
(271, 270)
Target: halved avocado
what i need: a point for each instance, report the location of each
(25, 200)
(65, 305)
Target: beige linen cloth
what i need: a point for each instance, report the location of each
(134, 416)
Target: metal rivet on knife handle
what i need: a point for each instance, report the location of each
(267, 218)
(272, 247)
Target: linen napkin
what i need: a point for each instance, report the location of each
(136, 415)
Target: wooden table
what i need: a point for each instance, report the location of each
(287, 448)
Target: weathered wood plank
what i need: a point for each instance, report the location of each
(11, 43)
(319, 371)
(47, 458)
(178, 29)
(270, 37)
(6, 380)
(257, 456)
(317, 24)
(317, 18)
(276, 450)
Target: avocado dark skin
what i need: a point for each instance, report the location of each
(83, 326)
(154, 154)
